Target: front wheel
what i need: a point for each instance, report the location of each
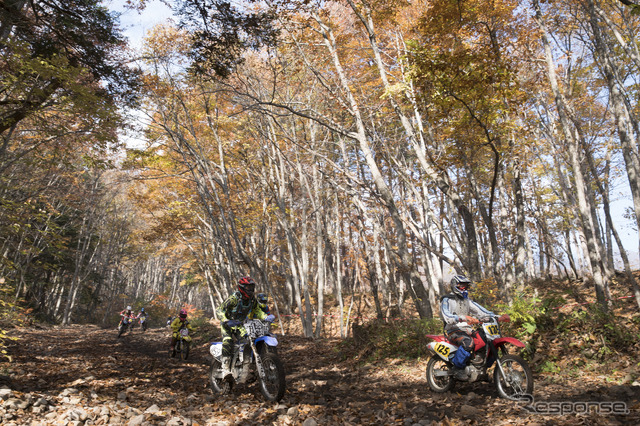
(266, 349)
(218, 386)
(184, 353)
(517, 380)
(179, 348)
(272, 386)
(438, 376)
(121, 329)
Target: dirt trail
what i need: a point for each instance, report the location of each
(85, 375)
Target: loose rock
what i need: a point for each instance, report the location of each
(136, 421)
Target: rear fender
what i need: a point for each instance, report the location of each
(443, 349)
(436, 337)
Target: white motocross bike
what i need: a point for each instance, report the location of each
(255, 358)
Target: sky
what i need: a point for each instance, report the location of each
(136, 24)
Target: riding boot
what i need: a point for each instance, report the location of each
(226, 368)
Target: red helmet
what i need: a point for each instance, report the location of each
(183, 314)
(247, 287)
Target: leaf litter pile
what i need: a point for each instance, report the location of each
(83, 375)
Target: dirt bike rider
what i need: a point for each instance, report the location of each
(232, 312)
(141, 314)
(179, 323)
(127, 313)
(456, 308)
(262, 303)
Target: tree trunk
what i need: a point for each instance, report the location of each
(623, 117)
(407, 271)
(584, 208)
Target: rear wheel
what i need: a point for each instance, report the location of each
(438, 375)
(517, 380)
(218, 386)
(273, 385)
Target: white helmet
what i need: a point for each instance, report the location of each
(460, 285)
(128, 308)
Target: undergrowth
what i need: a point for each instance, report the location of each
(379, 340)
(561, 336)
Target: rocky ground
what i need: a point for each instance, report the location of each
(84, 375)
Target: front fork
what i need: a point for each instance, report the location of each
(259, 366)
(499, 367)
(495, 352)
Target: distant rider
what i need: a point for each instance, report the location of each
(262, 304)
(232, 313)
(141, 314)
(126, 316)
(457, 308)
(178, 324)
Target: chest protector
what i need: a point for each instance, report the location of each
(242, 308)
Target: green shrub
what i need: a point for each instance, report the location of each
(525, 313)
(549, 367)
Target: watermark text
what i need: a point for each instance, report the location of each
(571, 407)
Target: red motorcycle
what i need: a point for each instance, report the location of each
(512, 375)
(126, 324)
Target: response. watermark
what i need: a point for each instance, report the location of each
(570, 407)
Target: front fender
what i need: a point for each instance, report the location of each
(269, 340)
(503, 340)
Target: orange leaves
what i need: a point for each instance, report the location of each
(166, 41)
(189, 308)
(465, 65)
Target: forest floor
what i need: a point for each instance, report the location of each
(82, 375)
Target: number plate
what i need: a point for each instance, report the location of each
(491, 330)
(442, 349)
(216, 350)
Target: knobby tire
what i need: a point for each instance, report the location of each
(439, 384)
(273, 386)
(218, 386)
(519, 376)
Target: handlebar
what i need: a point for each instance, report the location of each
(494, 318)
